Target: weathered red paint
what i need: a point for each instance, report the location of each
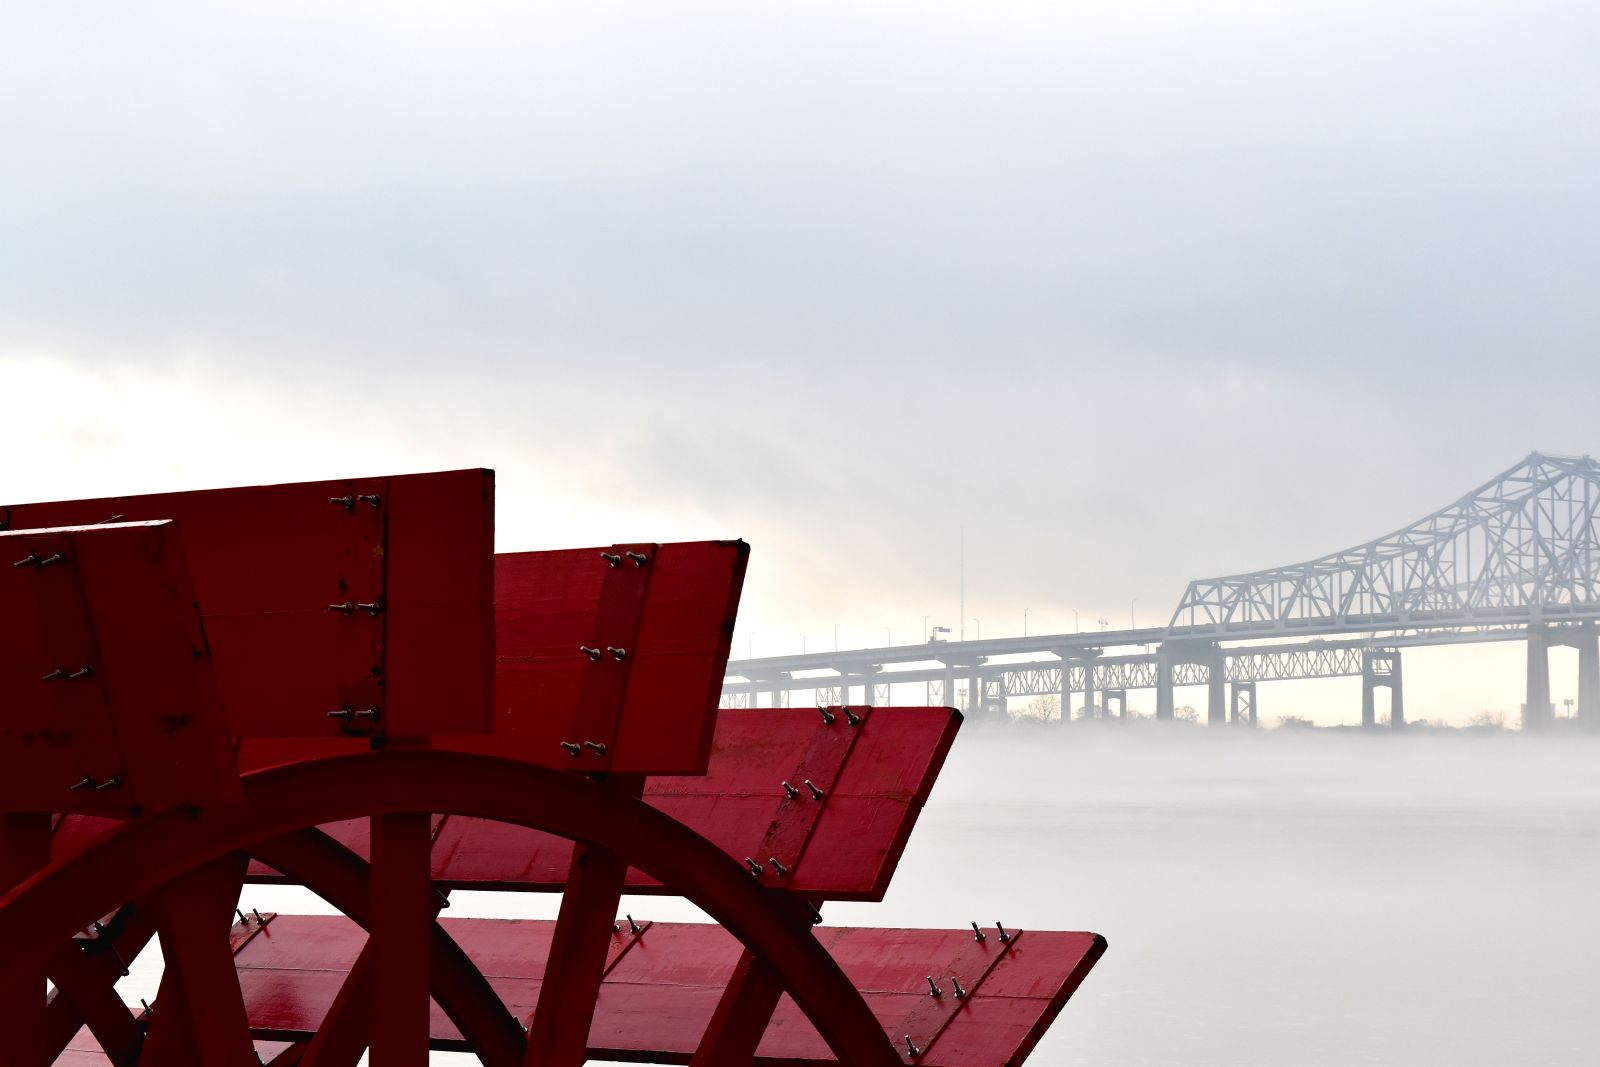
(268, 562)
(111, 703)
(860, 831)
(658, 1001)
(653, 710)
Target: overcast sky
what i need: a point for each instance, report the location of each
(1133, 292)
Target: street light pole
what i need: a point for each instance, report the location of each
(1025, 621)
(925, 619)
(1133, 620)
(1075, 627)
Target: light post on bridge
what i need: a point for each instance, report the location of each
(1025, 621)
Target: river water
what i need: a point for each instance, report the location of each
(1281, 897)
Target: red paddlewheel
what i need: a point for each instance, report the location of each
(341, 686)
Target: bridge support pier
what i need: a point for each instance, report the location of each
(1589, 677)
(1536, 710)
(1242, 707)
(1380, 669)
(1088, 690)
(1164, 708)
(1120, 696)
(1216, 689)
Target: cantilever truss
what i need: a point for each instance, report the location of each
(1522, 548)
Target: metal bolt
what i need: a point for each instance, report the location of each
(620, 653)
(374, 608)
(961, 994)
(573, 748)
(977, 934)
(790, 791)
(367, 713)
(81, 672)
(30, 560)
(59, 672)
(371, 498)
(259, 919)
(933, 988)
(348, 608)
(120, 962)
(592, 653)
(755, 868)
(1004, 937)
(633, 927)
(346, 502)
(344, 713)
(109, 519)
(86, 782)
(827, 716)
(114, 782)
(146, 1005)
(597, 747)
(851, 717)
(816, 791)
(912, 1050)
(612, 559)
(639, 558)
(242, 920)
(783, 872)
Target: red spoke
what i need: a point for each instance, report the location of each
(559, 1034)
(742, 1015)
(200, 1015)
(342, 1037)
(400, 935)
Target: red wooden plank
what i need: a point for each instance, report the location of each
(550, 606)
(864, 822)
(658, 1000)
(271, 563)
(112, 706)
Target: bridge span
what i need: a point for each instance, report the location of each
(1517, 559)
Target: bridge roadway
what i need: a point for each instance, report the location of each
(1103, 666)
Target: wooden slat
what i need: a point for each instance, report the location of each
(111, 702)
(658, 1000)
(865, 819)
(551, 605)
(269, 561)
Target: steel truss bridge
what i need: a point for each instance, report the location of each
(1517, 559)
